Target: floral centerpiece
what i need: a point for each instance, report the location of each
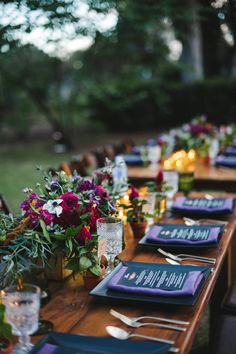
(60, 217)
(136, 216)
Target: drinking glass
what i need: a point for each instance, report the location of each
(150, 206)
(110, 239)
(213, 150)
(22, 312)
(154, 154)
(171, 179)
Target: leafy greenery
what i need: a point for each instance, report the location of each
(87, 259)
(5, 328)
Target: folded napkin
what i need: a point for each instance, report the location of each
(183, 234)
(149, 280)
(227, 161)
(133, 160)
(231, 150)
(48, 349)
(203, 205)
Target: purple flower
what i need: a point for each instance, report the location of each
(85, 185)
(47, 217)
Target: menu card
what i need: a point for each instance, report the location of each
(228, 161)
(183, 234)
(169, 281)
(204, 205)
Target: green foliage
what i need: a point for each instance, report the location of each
(87, 259)
(5, 328)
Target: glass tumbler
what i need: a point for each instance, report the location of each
(110, 239)
(150, 206)
(22, 312)
(171, 179)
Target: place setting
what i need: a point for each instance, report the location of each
(153, 283)
(183, 236)
(61, 343)
(203, 206)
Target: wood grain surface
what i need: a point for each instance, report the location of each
(73, 310)
(205, 176)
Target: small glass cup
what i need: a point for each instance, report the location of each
(154, 155)
(171, 178)
(150, 206)
(186, 181)
(22, 312)
(160, 206)
(110, 239)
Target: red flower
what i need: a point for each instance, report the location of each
(159, 180)
(95, 214)
(70, 201)
(84, 234)
(134, 193)
(100, 190)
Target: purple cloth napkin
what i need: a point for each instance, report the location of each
(190, 282)
(228, 161)
(180, 204)
(153, 235)
(48, 349)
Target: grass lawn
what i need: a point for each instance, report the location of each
(18, 169)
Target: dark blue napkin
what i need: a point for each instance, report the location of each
(231, 150)
(227, 161)
(183, 234)
(133, 160)
(158, 281)
(203, 205)
(64, 343)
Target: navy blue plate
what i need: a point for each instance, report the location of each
(63, 343)
(146, 243)
(102, 291)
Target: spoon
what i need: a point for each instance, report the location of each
(119, 333)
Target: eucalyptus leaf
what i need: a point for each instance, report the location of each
(85, 263)
(44, 229)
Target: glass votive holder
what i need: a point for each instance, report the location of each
(160, 206)
(186, 180)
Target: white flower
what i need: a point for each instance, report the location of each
(53, 206)
(27, 190)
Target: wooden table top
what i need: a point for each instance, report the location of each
(205, 176)
(202, 172)
(72, 310)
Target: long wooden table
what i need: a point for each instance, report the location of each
(205, 176)
(72, 310)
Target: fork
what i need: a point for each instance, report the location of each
(183, 256)
(134, 323)
(191, 222)
(161, 319)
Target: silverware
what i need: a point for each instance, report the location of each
(119, 333)
(161, 319)
(171, 261)
(191, 222)
(183, 256)
(209, 196)
(134, 323)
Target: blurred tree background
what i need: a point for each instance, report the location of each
(147, 65)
